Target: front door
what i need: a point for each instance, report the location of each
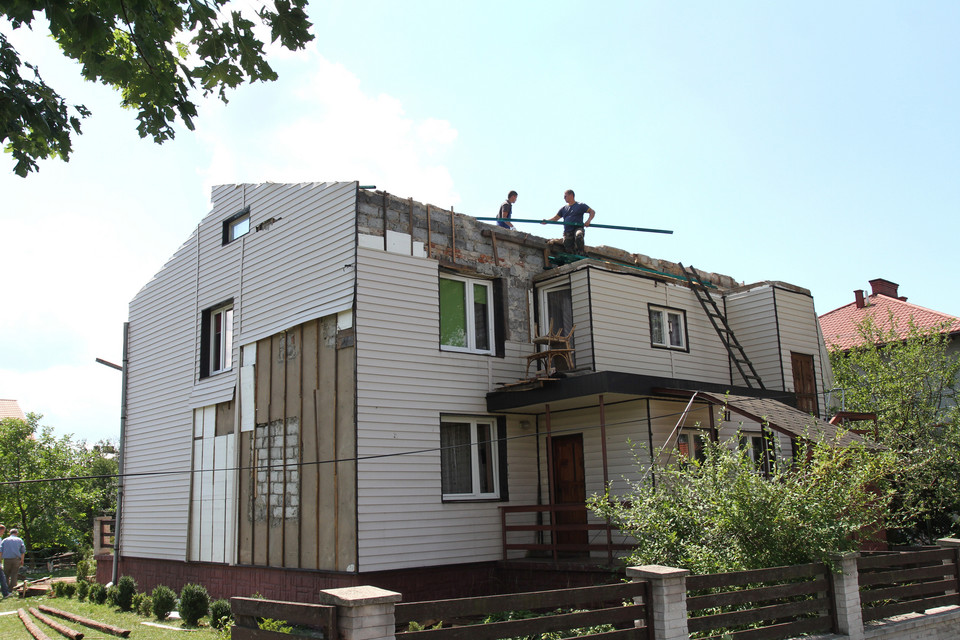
(569, 486)
(804, 382)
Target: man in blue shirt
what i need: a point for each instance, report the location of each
(574, 226)
(12, 550)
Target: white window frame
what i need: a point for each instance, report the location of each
(665, 313)
(543, 294)
(494, 449)
(470, 322)
(221, 343)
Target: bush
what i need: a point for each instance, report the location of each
(69, 589)
(83, 588)
(136, 601)
(112, 592)
(98, 593)
(58, 589)
(126, 589)
(145, 608)
(83, 570)
(220, 614)
(194, 603)
(164, 600)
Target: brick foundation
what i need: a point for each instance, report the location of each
(296, 585)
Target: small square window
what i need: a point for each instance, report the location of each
(469, 459)
(236, 226)
(466, 315)
(668, 328)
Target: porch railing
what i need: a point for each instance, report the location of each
(545, 537)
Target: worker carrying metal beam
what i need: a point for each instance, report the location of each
(573, 225)
(506, 210)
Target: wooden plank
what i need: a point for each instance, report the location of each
(759, 614)
(528, 626)
(274, 540)
(404, 612)
(263, 381)
(326, 408)
(291, 474)
(346, 451)
(905, 575)
(713, 580)
(224, 420)
(246, 633)
(900, 592)
(245, 500)
(56, 626)
(309, 479)
(760, 594)
(904, 559)
(87, 622)
(875, 613)
(314, 615)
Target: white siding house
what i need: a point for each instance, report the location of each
(335, 381)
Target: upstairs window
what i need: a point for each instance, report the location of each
(466, 315)
(469, 459)
(668, 328)
(216, 335)
(236, 226)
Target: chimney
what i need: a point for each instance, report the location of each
(858, 294)
(884, 287)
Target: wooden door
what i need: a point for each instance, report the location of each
(804, 382)
(569, 486)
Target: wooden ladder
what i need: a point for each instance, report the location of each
(719, 321)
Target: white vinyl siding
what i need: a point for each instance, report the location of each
(404, 383)
(298, 268)
(752, 317)
(799, 333)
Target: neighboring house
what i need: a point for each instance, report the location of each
(885, 305)
(326, 382)
(11, 409)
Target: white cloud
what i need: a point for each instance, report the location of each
(317, 124)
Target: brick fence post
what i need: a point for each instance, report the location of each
(363, 613)
(668, 599)
(846, 594)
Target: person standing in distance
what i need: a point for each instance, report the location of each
(574, 226)
(13, 551)
(3, 577)
(506, 209)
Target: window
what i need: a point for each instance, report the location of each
(466, 315)
(470, 458)
(668, 328)
(236, 226)
(690, 446)
(216, 335)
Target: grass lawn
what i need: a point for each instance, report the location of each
(11, 628)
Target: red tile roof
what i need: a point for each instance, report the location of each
(11, 409)
(839, 326)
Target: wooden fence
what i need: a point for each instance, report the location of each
(611, 607)
(248, 611)
(547, 537)
(896, 583)
(762, 604)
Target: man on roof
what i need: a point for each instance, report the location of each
(506, 210)
(573, 224)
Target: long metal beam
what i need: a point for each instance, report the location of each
(574, 224)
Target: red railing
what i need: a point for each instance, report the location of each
(558, 535)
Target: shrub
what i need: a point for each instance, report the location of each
(58, 589)
(136, 601)
(164, 600)
(280, 626)
(83, 588)
(112, 592)
(126, 589)
(194, 603)
(98, 593)
(220, 614)
(146, 606)
(83, 570)
(69, 589)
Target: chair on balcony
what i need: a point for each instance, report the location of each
(556, 353)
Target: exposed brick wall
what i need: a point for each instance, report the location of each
(427, 583)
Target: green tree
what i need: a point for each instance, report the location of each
(155, 54)
(38, 495)
(721, 514)
(908, 377)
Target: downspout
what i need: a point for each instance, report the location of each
(123, 424)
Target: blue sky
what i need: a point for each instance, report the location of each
(811, 142)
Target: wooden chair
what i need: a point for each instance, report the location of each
(557, 354)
